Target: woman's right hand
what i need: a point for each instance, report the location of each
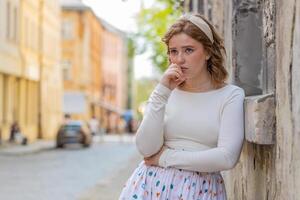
(172, 77)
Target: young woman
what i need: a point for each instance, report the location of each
(193, 126)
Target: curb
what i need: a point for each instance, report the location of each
(44, 145)
(20, 150)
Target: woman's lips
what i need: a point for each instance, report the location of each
(183, 68)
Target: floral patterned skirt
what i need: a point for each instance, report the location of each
(151, 182)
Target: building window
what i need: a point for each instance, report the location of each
(25, 32)
(67, 30)
(209, 12)
(190, 5)
(66, 66)
(5, 98)
(32, 37)
(1, 98)
(201, 6)
(11, 22)
(194, 6)
(15, 32)
(16, 99)
(249, 61)
(34, 99)
(8, 21)
(28, 102)
(35, 33)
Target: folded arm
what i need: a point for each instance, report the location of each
(230, 141)
(149, 136)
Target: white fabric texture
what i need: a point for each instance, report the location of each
(203, 131)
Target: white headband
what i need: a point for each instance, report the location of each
(200, 23)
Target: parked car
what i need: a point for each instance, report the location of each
(73, 131)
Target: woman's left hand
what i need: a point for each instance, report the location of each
(153, 160)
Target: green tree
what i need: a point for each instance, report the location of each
(152, 23)
(144, 87)
(131, 49)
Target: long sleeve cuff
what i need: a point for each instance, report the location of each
(149, 136)
(163, 90)
(162, 162)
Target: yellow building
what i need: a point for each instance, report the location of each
(95, 66)
(115, 87)
(81, 49)
(29, 33)
(10, 65)
(30, 77)
(51, 83)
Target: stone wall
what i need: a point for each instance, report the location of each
(288, 99)
(262, 39)
(269, 171)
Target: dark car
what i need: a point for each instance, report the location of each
(73, 132)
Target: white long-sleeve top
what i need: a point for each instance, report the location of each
(203, 131)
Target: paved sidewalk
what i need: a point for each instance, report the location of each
(19, 150)
(44, 145)
(111, 187)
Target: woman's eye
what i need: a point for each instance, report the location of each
(189, 50)
(173, 52)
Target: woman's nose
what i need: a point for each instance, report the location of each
(180, 58)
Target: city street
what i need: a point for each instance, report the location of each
(70, 173)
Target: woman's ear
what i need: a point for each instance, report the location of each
(207, 57)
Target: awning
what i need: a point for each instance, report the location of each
(74, 103)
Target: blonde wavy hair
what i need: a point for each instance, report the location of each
(216, 50)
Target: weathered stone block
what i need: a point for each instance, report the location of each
(260, 119)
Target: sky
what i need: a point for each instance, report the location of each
(121, 14)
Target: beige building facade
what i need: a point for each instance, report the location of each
(25, 26)
(262, 40)
(115, 70)
(51, 83)
(94, 60)
(10, 65)
(81, 58)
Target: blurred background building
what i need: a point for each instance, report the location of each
(81, 60)
(29, 68)
(94, 66)
(56, 58)
(115, 88)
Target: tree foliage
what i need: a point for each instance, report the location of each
(153, 22)
(144, 87)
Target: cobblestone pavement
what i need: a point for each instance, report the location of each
(68, 174)
(111, 187)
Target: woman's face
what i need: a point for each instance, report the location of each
(189, 54)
